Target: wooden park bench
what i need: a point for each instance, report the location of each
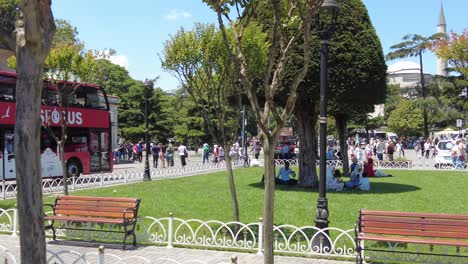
(411, 228)
(97, 210)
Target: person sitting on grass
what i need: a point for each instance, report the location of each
(354, 163)
(370, 172)
(354, 178)
(283, 175)
(334, 179)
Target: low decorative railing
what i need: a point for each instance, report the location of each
(117, 178)
(172, 231)
(424, 164)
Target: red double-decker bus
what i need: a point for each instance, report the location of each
(88, 146)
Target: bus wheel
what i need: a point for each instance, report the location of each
(73, 168)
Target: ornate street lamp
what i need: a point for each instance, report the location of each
(147, 93)
(325, 26)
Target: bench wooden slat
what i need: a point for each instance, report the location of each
(367, 218)
(413, 240)
(92, 198)
(86, 219)
(412, 214)
(94, 213)
(96, 203)
(91, 208)
(415, 226)
(414, 233)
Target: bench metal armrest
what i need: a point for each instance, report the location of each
(51, 206)
(127, 219)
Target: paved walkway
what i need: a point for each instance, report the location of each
(152, 253)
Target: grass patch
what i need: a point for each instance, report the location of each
(207, 197)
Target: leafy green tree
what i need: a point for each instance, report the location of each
(197, 58)
(447, 101)
(280, 41)
(406, 119)
(415, 45)
(28, 33)
(65, 33)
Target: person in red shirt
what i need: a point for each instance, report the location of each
(369, 168)
(370, 172)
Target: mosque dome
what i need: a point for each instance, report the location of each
(404, 67)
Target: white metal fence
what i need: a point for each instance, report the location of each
(172, 231)
(117, 178)
(406, 165)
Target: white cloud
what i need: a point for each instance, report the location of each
(120, 60)
(176, 14)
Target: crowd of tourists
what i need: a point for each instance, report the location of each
(162, 154)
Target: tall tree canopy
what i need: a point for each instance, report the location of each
(357, 81)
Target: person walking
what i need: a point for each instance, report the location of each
(162, 151)
(155, 153)
(256, 149)
(390, 150)
(401, 150)
(206, 152)
(427, 148)
(183, 154)
(380, 149)
(170, 154)
(417, 149)
(140, 151)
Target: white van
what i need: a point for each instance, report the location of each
(389, 136)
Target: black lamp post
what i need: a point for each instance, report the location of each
(325, 26)
(148, 89)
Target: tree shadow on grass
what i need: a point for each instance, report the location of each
(376, 187)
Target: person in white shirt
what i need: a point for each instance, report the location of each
(456, 154)
(427, 148)
(183, 154)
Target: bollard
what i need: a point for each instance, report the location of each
(170, 230)
(260, 237)
(126, 177)
(101, 254)
(102, 178)
(15, 223)
(234, 260)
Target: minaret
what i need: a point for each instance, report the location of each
(441, 28)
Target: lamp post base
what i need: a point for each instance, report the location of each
(146, 175)
(321, 242)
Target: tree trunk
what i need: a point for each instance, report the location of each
(269, 197)
(232, 186)
(64, 166)
(341, 126)
(27, 149)
(306, 126)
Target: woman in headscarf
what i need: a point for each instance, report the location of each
(354, 178)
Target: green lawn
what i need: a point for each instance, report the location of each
(207, 197)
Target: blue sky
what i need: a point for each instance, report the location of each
(138, 29)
